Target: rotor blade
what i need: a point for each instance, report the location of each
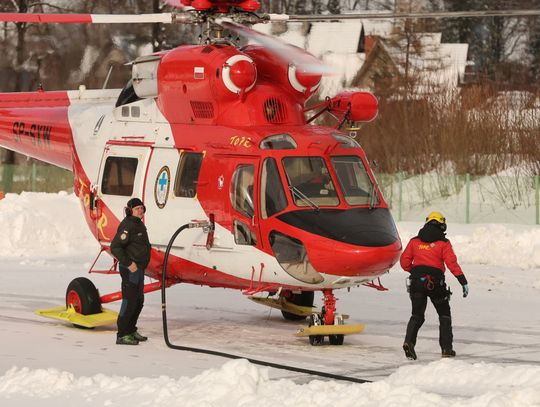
(87, 18)
(297, 56)
(391, 15)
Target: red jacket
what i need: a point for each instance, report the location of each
(435, 254)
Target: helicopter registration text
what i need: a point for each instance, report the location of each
(37, 133)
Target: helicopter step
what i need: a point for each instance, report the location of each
(105, 317)
(282, 304)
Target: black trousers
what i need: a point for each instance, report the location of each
(132, 300)
(420, 290)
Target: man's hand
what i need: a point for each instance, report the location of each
(465, 290)
(132, 267)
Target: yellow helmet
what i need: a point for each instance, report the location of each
(437, 216)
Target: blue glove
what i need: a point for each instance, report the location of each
(465, 290)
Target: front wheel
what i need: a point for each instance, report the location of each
(305, 299)
(83, 295)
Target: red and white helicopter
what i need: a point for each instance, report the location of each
(217, 137)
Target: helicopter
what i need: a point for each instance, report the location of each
(216, 136)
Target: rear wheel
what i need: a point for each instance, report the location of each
(305, 299)
(83, 295)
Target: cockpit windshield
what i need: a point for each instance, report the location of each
(309, 182)
(354, 181)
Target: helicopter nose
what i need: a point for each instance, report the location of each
(336, 258)
(359, 242)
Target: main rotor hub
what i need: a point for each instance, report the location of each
(222, 6)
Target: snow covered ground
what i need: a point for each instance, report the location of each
(45, 244)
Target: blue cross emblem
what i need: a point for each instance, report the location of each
(163, 180)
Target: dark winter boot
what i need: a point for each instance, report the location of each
(448, 353)
(127, 340)
(139, 337)
(409, 351)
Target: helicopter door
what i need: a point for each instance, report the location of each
(121, 177)
(244, 206)
(171, 197)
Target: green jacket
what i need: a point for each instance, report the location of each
(131, 244)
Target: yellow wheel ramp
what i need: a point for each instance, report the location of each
(106, 317)
(331, 330)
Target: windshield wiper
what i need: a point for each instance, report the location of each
(372, 196)
(303, 197)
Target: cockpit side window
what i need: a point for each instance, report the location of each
(187, 175)
(354, 181)
(241, 194)
(310, 182)
(273, 199)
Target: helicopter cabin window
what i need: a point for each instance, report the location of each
(354, 181)
(135, 111)
(119, 176)
(242, 190)
(278, 142)
(243, 234)
(310, 182)
(187, 175)
(273, 199)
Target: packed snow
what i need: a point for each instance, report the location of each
(45, 243)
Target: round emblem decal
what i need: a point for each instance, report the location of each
(161, 189)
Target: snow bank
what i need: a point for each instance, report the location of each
(43, 224)
(239, 383)
(503, 245)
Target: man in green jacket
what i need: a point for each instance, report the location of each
(132, 249)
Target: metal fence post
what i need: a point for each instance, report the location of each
(400, 195)
(467, 197)
(537, 197)
(34, 176)
(7, 177)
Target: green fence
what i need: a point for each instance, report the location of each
(462, 198)
(34, 177)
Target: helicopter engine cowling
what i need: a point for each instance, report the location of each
(218, 84)
(360, 106)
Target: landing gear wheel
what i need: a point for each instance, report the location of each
(315, 340)
(339, 338)
(305, 298)
(83, 295)
(336, 339)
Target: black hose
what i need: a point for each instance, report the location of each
(223, 354)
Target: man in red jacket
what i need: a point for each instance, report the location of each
(424, 258)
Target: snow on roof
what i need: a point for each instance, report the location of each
(432, 62)
(336, 43)
(334, 37)
(347, 66)
(382, 28)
